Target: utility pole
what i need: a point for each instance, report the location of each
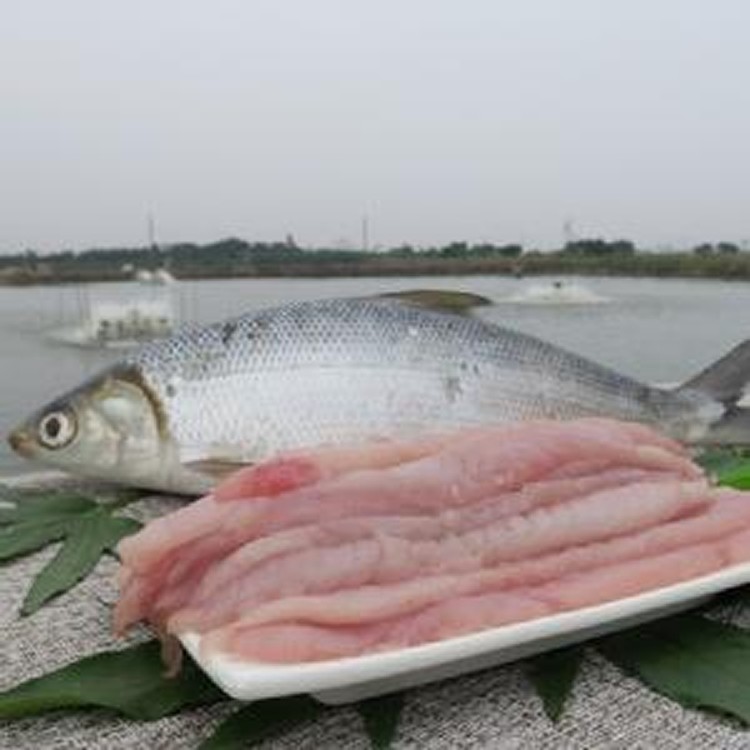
(151, 229)
(365, 233)
(153, 246)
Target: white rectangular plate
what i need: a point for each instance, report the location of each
(345, 680)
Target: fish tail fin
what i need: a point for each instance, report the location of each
(726, 379)
(726, 382)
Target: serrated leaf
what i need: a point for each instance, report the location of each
(553, 675)
(261, 721)
(88, 538)
(131, 682)
(381, 716)
(31, 520)
(23, 538)
(695, 661)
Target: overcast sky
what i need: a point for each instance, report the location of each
(440, 120)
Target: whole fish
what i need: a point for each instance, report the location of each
(180, 412)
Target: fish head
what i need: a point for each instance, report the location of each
(111, 427)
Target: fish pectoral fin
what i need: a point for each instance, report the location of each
(441, 300)
(216, 468)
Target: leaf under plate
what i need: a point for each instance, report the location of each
(130, 681)
(695, 661)
(261, 721)
(553, 675)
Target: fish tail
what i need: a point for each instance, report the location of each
(725, 383)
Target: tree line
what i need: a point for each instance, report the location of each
(237, 257)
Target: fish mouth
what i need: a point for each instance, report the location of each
(21, 442)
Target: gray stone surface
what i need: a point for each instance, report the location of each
(496, 709)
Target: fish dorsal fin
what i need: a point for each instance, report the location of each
(442, 300)
(727, 379)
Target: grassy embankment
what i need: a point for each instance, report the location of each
(52, 270)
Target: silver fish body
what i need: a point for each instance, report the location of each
(333, 371)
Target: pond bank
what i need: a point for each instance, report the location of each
(654, 265)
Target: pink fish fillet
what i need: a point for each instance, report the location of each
(447, 476)
(373, 602)
(301, 468)
(545, 447)
(197, 533)
(183, 573)
(384, 556)
(341, 551)
(456, 614)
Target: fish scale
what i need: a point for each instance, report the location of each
(337, 370)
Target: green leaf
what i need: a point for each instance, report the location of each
(729, 466)
(714, 460)
(26, 505)
(31, 520)
(131, 682)
(88, 538)
(737, 476)
(24, 538)
(696, 662)
(17, 506)
(553, 675)
(381, 716)
(260, 721)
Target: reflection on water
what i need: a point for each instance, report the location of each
(658, 330)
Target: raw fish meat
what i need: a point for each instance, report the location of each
(339, 552)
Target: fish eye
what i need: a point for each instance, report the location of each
(56, 429)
